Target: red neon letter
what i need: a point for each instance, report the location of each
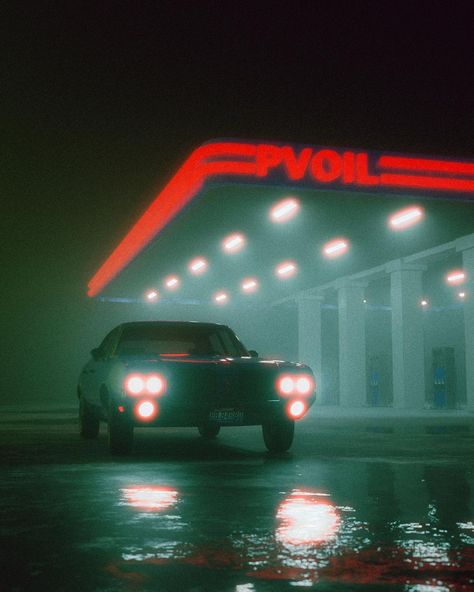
(362, 169)
(268, 157)
(296, 166)
(326, 166)
(348, 171)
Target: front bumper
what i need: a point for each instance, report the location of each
(171, 414)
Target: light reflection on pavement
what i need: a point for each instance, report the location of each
(298, 537)
(209, 516)
(153, 498)
(306, 518)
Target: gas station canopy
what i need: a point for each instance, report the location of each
(247, 222)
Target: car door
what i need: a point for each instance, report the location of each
(96, 371)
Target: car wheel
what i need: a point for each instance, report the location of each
(120, 431)
(278, 434)
(209, 430)
(89, 424)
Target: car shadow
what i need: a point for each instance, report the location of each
(185, 444)
(61, 444)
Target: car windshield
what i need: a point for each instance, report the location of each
(179, 340)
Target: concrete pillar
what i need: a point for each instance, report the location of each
(466, 246)
(408, 354)
(310, 335)
(352, 354)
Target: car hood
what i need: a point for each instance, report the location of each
(239, 362)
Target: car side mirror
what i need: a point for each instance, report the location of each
(253, 353)
(97, 354)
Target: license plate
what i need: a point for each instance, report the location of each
(226, 416)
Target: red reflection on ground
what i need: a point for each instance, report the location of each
(306, 518)
(150, 497)
(380, 565)
(385, 566)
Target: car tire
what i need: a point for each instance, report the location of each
(89, 423)
(209, 431)
(278, 434)
(120, 432)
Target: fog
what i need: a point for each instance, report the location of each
(48, 345)
(95, 123)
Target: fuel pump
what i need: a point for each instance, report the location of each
(444, 378)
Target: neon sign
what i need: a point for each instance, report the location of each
(282, 164)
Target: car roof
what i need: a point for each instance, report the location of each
(172, 323)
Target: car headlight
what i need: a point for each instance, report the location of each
(296, 409)
(134, 384)
(146, 410)
(304, 385)
(295, 384)
(145, 384)
(155, 384)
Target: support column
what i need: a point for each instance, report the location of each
(408, 351)
(352, 353)
(310, 335)
(466, 245)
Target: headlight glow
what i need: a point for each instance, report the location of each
(155, 384)
(146, 410)
(150, 384)
(135, 384)
(297, 409)
(295, 384)
(287, 385)
(304, 385)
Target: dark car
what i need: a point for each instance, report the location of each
(178, 374)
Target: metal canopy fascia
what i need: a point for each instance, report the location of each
(232, 161)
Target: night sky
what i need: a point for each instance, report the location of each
(101, 102)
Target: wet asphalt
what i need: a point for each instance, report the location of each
(350, 507)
